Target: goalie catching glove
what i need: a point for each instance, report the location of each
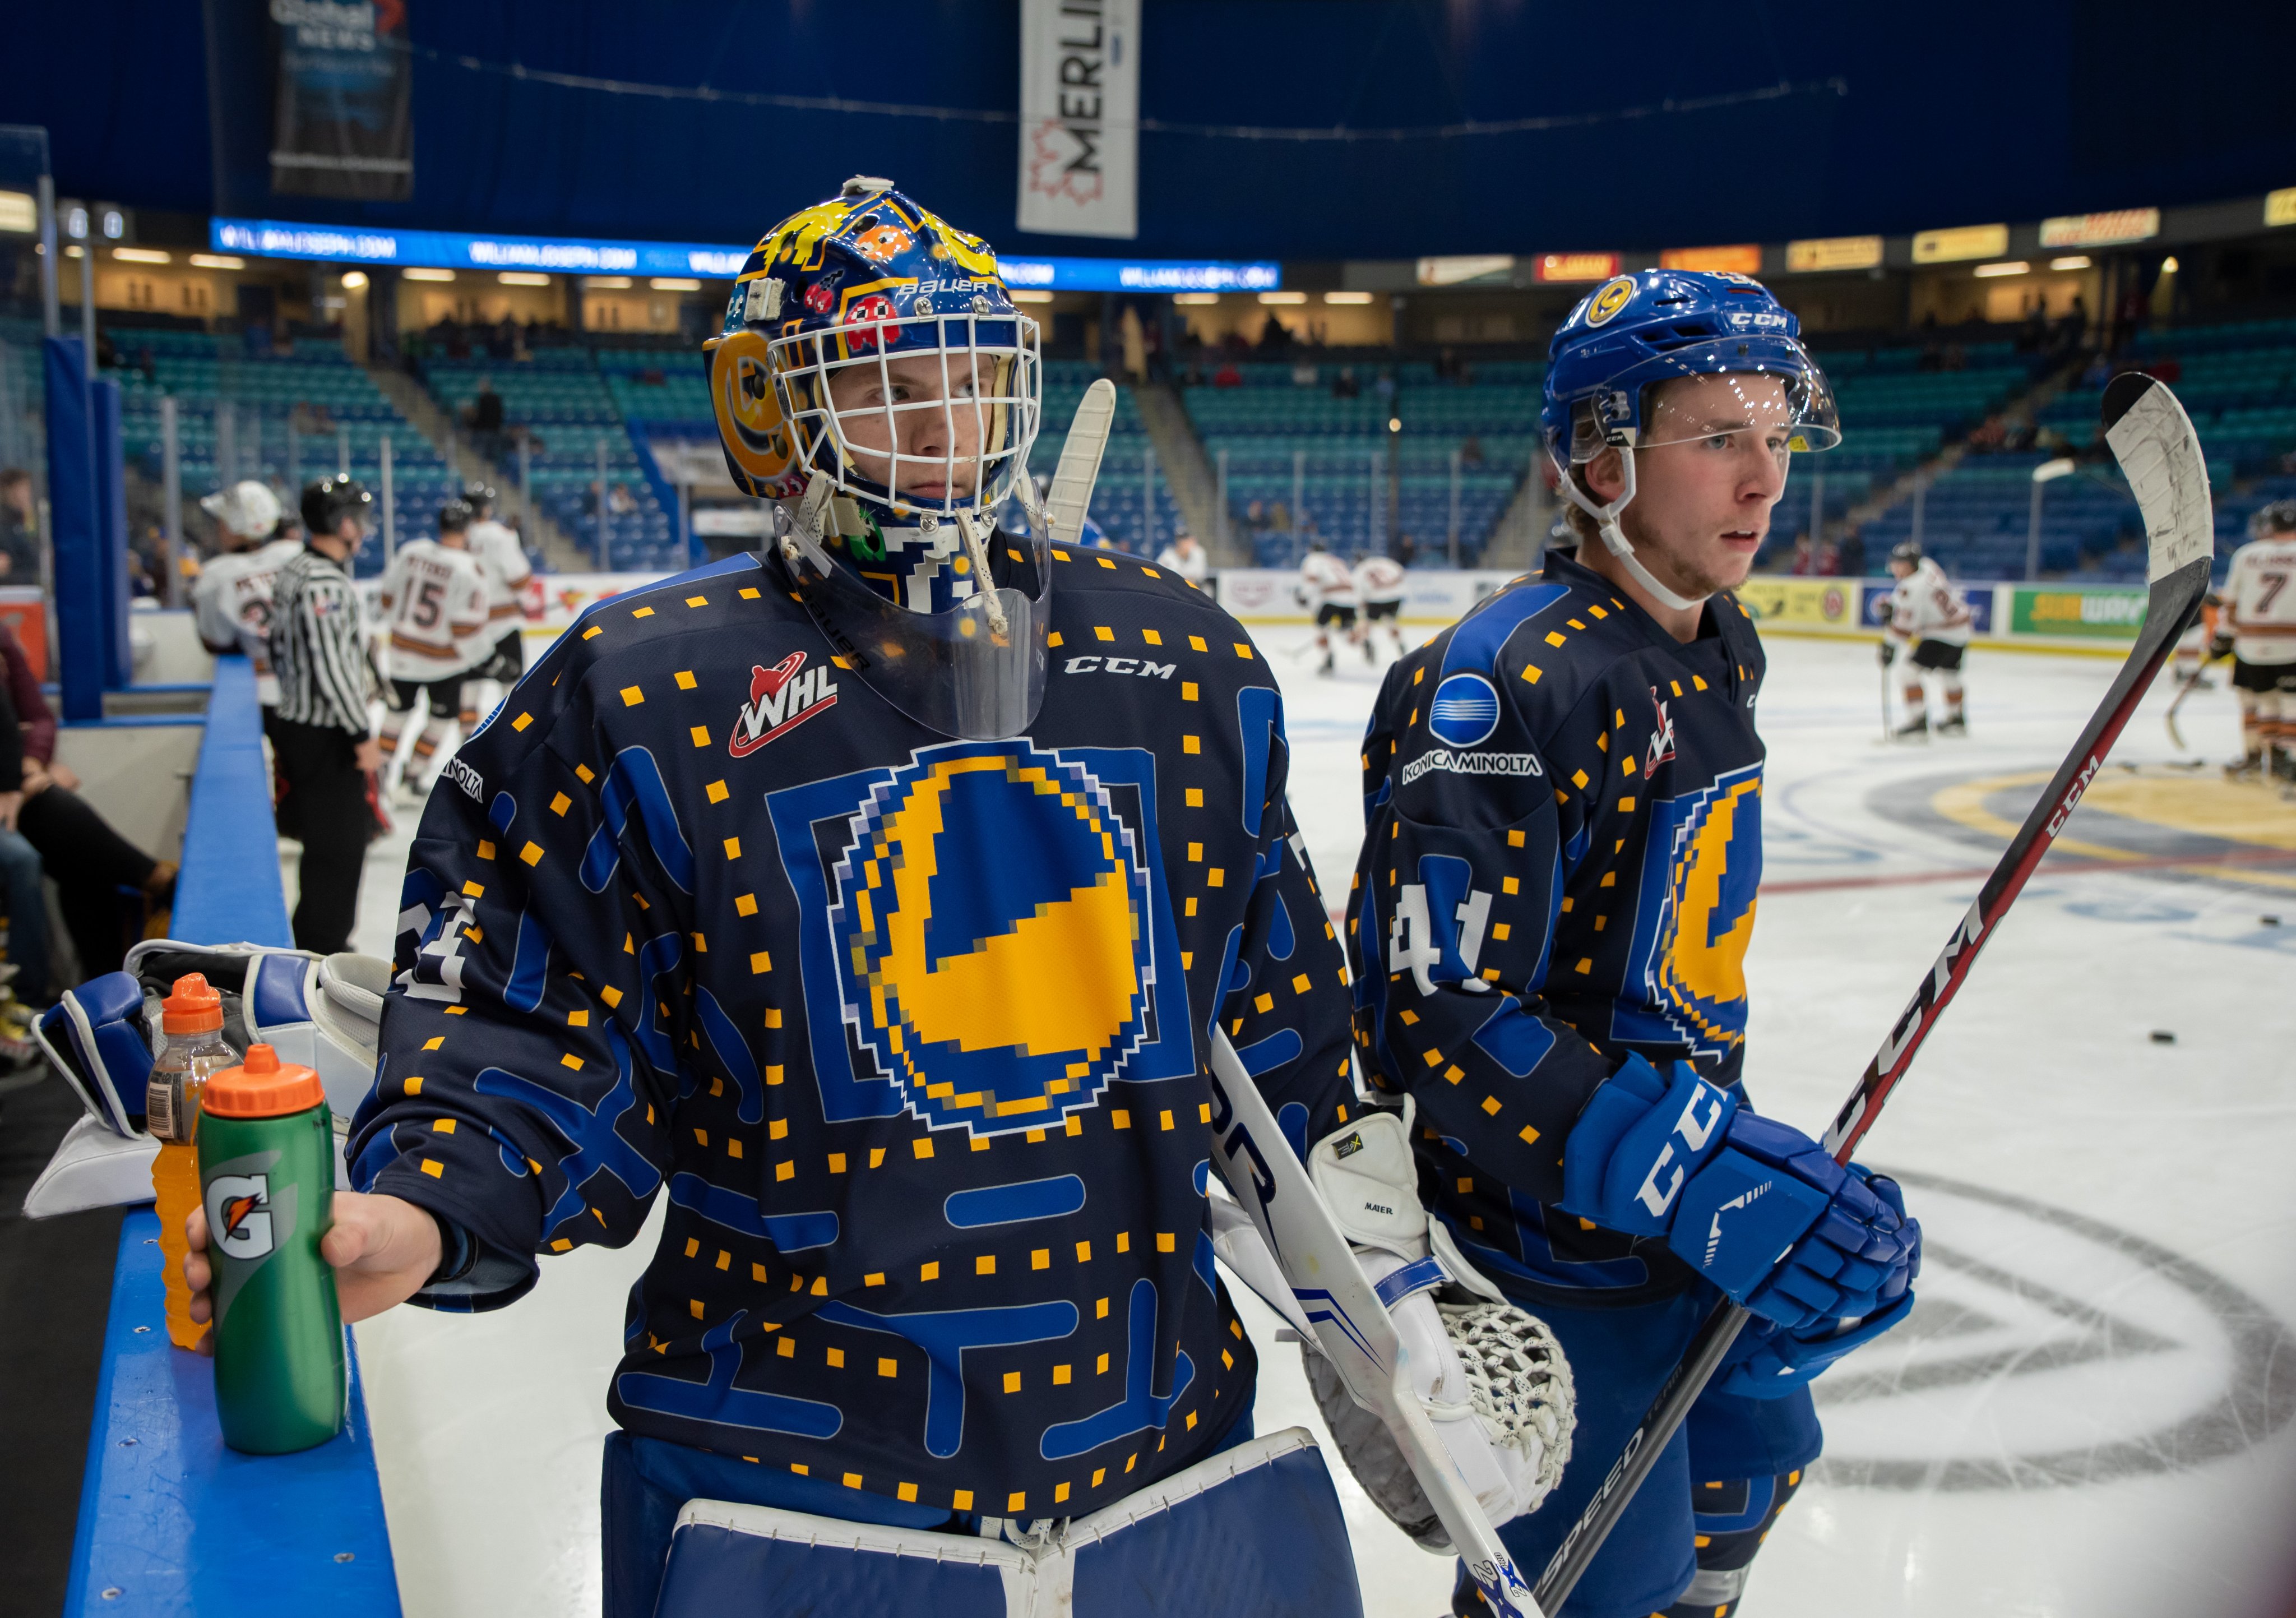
(1755, 1206)
(1492, 1378)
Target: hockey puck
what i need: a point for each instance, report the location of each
(2161, 1036)
(2269, 921)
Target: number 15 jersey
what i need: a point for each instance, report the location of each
(434, 604)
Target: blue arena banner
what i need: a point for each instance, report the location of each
(586, 255)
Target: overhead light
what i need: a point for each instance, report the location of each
(217, 261)
(607, 283)
(353, 280)
(1346, 297)
(2049, 471)
(1029, 297)
(1395, 423)
(1195, 299)
(420, 274)
(2077, 261)
(1283, 297)
(522, 278)
(73, 250)
(19, 211)
(674, 284)
(2168, 266)
(143, 255)
(2011, 266)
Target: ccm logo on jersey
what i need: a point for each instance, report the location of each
(1139, 665)
(781, 699)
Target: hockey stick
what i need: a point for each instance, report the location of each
(1067, 501)
(1350, 1322)
(2152, 439)
(2185, 689)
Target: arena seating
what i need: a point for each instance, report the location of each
(293, 409)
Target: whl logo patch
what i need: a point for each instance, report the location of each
(239, 1215)
(781, 699)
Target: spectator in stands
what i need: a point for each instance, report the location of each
(1279, 517)
(620, 502)
(1345, 385)
(1470, 454)
(1851, 558)
(40, 806)
(1404, 550)
(1255, 518)
(1805, 562)
(1385, 388)
(2099, 372)
(1273, 336)
(1446, 366)
(1227, 376)
(487, 419)
(19, 529)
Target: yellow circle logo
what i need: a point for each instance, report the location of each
(1611, 299)
(749, 422)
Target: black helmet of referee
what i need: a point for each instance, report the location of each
(327, 502)
(480, 496)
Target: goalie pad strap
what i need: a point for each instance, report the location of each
(1422, 1275)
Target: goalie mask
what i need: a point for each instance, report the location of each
(1636, 332)
(875, 373)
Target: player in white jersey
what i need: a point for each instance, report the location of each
(1378, 585)
(2260, 622)
(1184, 557)
(1928, 614)
(514, 594)
(1328, 589)
(434, 605)
(231, 603)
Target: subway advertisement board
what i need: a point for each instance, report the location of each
(2091, 612)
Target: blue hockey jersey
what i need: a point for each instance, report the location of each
(1562, 842)
(912, 1032)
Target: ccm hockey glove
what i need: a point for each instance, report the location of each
(1755, 1206)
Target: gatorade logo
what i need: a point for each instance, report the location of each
(239, 1215)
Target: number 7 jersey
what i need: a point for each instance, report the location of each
(1562, 811)
(2261, 606)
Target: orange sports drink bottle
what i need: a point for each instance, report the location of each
(192, 1050)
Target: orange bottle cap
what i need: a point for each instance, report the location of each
(193, 1007)
(263, 1087)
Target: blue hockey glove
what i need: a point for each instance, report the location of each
(1755, 1206)
(1768, 1361)
(95, 1037)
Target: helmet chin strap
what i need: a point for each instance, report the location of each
(1614, 537)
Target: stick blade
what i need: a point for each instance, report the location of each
(1071, 494)
(2153, 440)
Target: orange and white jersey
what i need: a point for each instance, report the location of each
(231, 605)
(505, 567)
(1379, 579)
(434, 611)
(1324, 581)
(2259, 595)
(1925, 607)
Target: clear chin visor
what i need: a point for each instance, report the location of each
(1729, 393)
(975, 673)
(930, 415)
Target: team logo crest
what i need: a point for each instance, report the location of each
(1465, 711)
(997, 989)
(781, 699)
(750, 420)
(1695, 916)
(1609, 299)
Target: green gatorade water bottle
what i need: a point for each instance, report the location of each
(267, 1182)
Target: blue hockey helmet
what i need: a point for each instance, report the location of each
(829, 300)
(1637, 331)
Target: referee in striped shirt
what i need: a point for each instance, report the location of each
(322, 746)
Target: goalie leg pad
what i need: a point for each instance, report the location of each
(95, 1037)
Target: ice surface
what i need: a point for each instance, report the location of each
(2087, 1415)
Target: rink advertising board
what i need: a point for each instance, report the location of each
(1831, 602)
(1264, 596)
(1977, 597)
(2091, 612)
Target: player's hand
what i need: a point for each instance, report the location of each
(382, 1248)
(369, 756)
(2221, 646)
(12, 804)
(63, 775)
(1888, 653)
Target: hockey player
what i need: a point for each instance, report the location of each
(514, 594)
(1327, 589)
(1928, 614)
(909, 1014)
(1548, 928)
(1186, 558)
(1379, 582)
(231, 603)
(2260, 630)
(434, 606)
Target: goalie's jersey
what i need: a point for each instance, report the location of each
(434, 611)
(910, 1033)
(231, 605)
(1563, 842)
(2259, 595)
